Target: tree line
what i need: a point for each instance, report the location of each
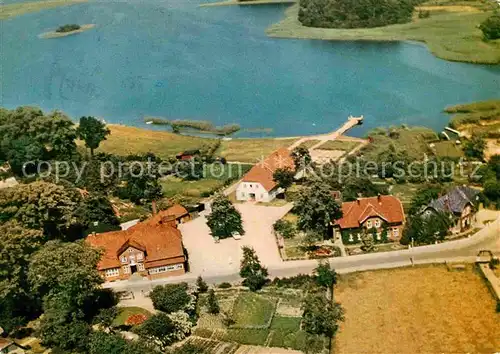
(355, 13)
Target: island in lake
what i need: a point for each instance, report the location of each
(67, 30)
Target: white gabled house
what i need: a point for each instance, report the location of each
(258, 184)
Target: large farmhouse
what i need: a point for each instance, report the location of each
(258, 184)
(384, 213)
(460, 202)
(152, 248)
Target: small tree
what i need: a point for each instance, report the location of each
(284, 177)
(213, 304)
(368, 240)
(320, 316)
(301, 157)
(325, 275)
(251, 270)
(92, 131)
(171, 297)
(474, 148)
(224, 218)
(491, 27)
(158, 329)
(201, 285)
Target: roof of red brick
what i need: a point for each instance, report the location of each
(161, 243)
(176, 210)
(263, 171)
(387, 207)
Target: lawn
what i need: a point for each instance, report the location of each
(449, 149)
(450, 35)
(251, 150)
(125, 140)
(21, 8)
(126, 312)
(343, 145)
(173, 186)
(424, 309)
(252, 309)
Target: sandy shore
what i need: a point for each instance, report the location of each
(17, 9)
(54, 34)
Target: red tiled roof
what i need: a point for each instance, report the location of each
(176, 210)
(386, 207)
(161, 243)
(263, 171)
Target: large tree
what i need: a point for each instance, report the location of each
(224, 218)
(301, 156)
(17, 302)
(424, 196)
(284, 177)
(171, 297)
(66, 268)
(158, 329)
(45, 206)
(320, 316)
(426, 228)
(93, 132)
(474, 148)
(316, 208)
(254, 274)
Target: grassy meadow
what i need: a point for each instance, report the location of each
(450, 32)
(17, 9)
(426, 309)
(125, 140)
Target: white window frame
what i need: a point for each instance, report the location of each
(395, 231)
(126, 269)
(140, 267)
(369, 224)
(359, 236)
(139, 256)
(351, 238)
(113, 272)
(124, 259)
(377, 223)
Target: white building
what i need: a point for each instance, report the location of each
(258, 184)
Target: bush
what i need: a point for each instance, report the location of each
(296, 282)
(171, 297)
(224, 285)
(491, 27)
(424, 14)
(285, 228)
(67, 28)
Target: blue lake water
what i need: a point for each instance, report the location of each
(176, 60)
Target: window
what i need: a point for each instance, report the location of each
(250, 186)
(139, 255)
(130, 250)
(359, 237)
(140, 266)
(126, 269)
(369, 224)
(124, 259)
(395, 232)
(378, 236)
(377, 223)
(112, 272)
(166, 268)
(350, 238)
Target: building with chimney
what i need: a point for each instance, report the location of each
(152, 248)
(383, 213)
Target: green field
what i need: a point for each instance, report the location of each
(343, 145)
(449, 34)
(251, 309)
(17, 9)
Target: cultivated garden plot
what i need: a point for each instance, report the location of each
(270, 318)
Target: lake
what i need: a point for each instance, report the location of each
(175, 60)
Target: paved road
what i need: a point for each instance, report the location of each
(463, 250)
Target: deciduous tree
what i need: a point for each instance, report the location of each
(320, 316)
(213, 304)
(170, 297)
(284, 177)
(93, 132)
(224, 218)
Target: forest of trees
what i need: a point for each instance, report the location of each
(355, 13)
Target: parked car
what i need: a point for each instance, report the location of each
(236, 235)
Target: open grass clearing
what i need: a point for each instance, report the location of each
(173, 186)
(449, 35)
(251, 150)
(343, 145)
(126, 312)
(252, 309)
(449, 149)
(21, 8)
(424, 309)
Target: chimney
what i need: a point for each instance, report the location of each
(358, 200)
(153, 206)
(379, 198)
(169, 220)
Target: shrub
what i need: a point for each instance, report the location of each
(491, 27)
(424, 14)
(201, 284)
(296, 282)
(171, 297)
(224, 285)
(285, 228)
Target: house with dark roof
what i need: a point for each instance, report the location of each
(258, 183)
(459, 202)
(152, 248)
(383, 213)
